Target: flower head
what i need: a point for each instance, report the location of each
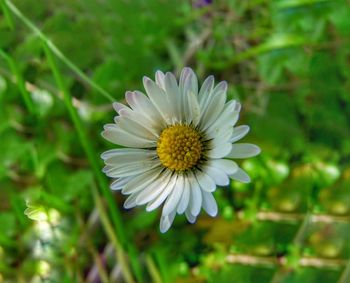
(178, 142)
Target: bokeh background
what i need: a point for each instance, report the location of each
(62, 63)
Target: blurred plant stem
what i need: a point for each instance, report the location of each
(299, 237)
(294, 257)
(7, 14)
(120, 255)
(275, 216)
(175, 55)
(92, 157)
(161, 262)
(345, 277)
(103, 276)
(153, 271)
(270, 262)
(8, 5)
(20, 82)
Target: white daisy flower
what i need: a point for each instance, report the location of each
(178, 146)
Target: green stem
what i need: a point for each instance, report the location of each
(20, 82)
(56, 51)
(7, 14)
(91, 248)
(345, 276)
(153, 270)
(112, 237)
(92, 157)
(174, 54)
(162, 266)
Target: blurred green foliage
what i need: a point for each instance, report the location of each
(287, 61)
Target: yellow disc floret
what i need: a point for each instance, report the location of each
(179, 147)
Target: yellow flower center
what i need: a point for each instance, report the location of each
(179, 147)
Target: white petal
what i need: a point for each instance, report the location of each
(238, 107)
(131, 169)
(191, 218)
(148, 127)
(209, 204)
(126, 158)
(174, 97)
(235, 117)
(189, 93)
(194, 114)
(219, 177)
(160, 79)
(166, 221)
(119, 136)
(142, 181)
(130, 201)
(222, 136)
(244, 150)
(109, 126)
(227, 166)
(223, 120)
(195, 196)
(175, 196)
(206, 183)
(120, 183)
(215, 106)
(184, 74)
(163, 195)
(191, 82)
(185, 198)
(143, 108)
(107, 168)
(219, 151)
(183, 88)
(135, 128)
(158, 98)
(126, 151)
(119, 106)
(241, 176)
(205, 91)
(154, 189)
(239, 132)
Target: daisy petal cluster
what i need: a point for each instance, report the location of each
(179, 141)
